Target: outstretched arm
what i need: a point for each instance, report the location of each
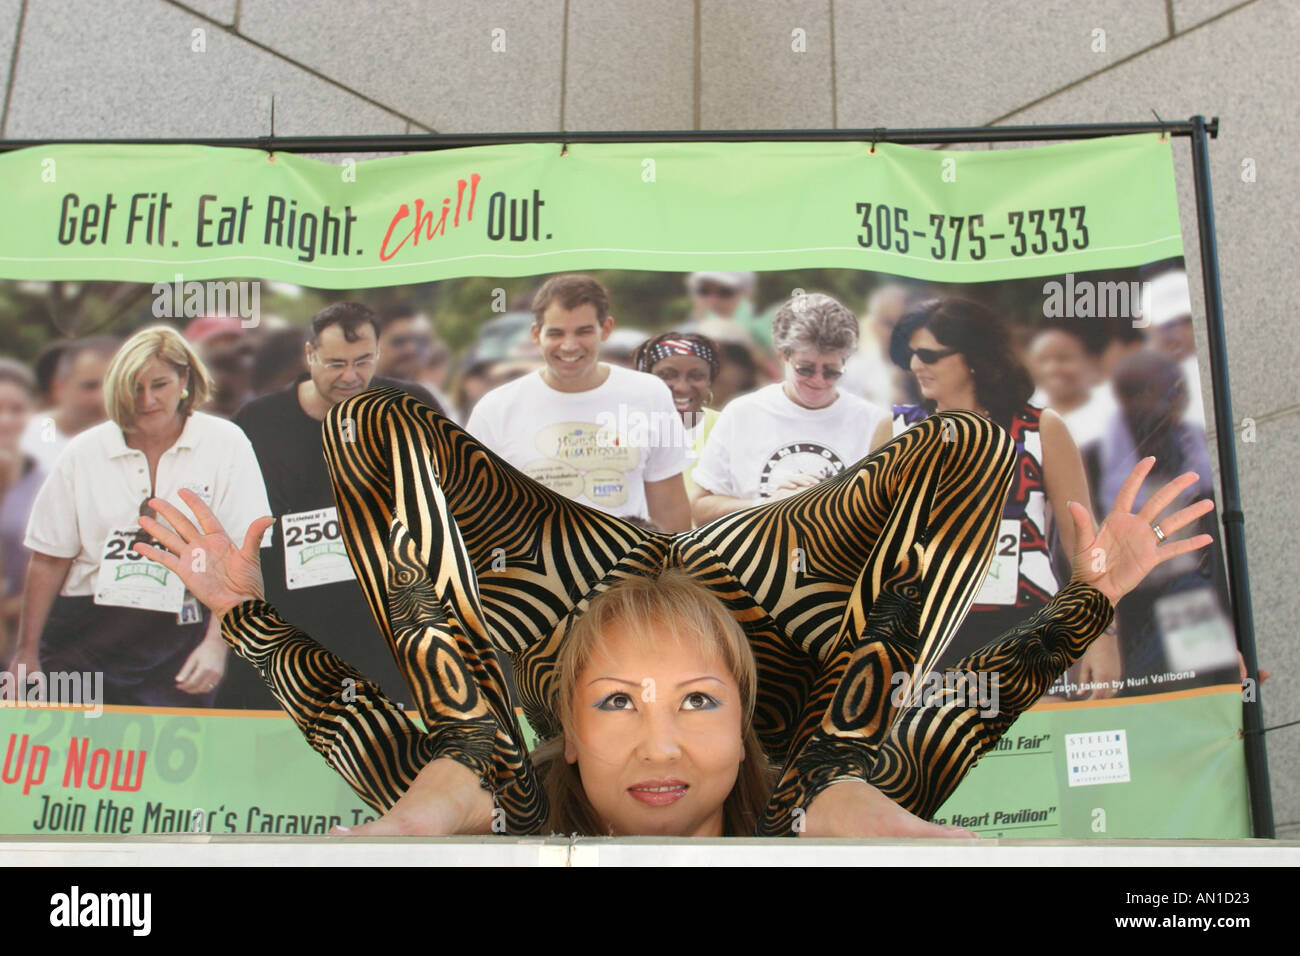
(931, 744)
(374, 745)
(1108, 563)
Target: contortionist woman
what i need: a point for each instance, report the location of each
(458, 554)
(91, 603)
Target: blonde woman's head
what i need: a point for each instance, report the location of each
(655, 689)
(154, 378)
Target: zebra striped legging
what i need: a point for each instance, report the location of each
(838, 588)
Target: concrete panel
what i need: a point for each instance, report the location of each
(1188, 13)
(101, 74)
(223, 11)
(631, 65)
(9, 11)
(492, 65)
(938, 64)
(765, 65)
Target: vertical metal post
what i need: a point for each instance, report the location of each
(1234, 534)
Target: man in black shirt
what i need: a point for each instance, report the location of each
(306, 571)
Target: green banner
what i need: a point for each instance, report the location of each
(142, 213)
(1146, 747)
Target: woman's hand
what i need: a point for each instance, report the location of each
(445, 798)
(1100, 665)
(204, 668)
(854, 808)
(1116, 558)
(794, 484)
(215, 571)
(31, 665)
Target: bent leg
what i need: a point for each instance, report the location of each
(930, 749)
(533, 552)
(945, 490)
(375, 746)
(406, 481)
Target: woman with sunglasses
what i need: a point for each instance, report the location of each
(790, 435)
(961, 356)
(93, 604)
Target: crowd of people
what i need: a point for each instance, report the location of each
(724, 412)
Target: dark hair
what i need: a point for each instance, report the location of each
(45, 364)
(348, 315)
(1091, 334)
(104, 346)
(16, 373)
(1001, 383)
(702, 346)
(1152, 396)
(1120, 329)
(571, 291)
(396, 313)
(279, 352)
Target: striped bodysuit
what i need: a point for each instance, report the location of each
(838, 588)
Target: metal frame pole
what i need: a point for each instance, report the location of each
(1234, 533)
(426, 142)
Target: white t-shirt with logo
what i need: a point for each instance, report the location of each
(763, 438)
(98, 483)
(598, 447)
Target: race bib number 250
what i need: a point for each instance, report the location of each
(128, 579)
(313, 549)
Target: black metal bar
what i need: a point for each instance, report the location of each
(1234, 532)
(426, 142)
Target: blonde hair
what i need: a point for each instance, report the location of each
(161, 342)
(644, 609)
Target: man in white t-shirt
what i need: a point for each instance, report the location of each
(790, 435)
(602, 435)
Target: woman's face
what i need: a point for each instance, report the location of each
(657, 736)
(158, 390)
(688, 378)
(944, 378)
(15, 409)
(811, 376)
(1060, 366)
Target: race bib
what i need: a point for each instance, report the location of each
(313, 549)
(1002, 583)
(128, 579)
(1196, 632)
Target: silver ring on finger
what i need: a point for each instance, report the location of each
(1160, 535)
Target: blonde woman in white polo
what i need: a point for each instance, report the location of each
(91, 603)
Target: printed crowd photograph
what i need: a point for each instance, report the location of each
(747, 443)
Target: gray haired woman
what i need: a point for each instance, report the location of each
(792, 434)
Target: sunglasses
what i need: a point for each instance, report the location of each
(930, 356)
(810, 371)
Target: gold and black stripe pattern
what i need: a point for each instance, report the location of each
(838, 588)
